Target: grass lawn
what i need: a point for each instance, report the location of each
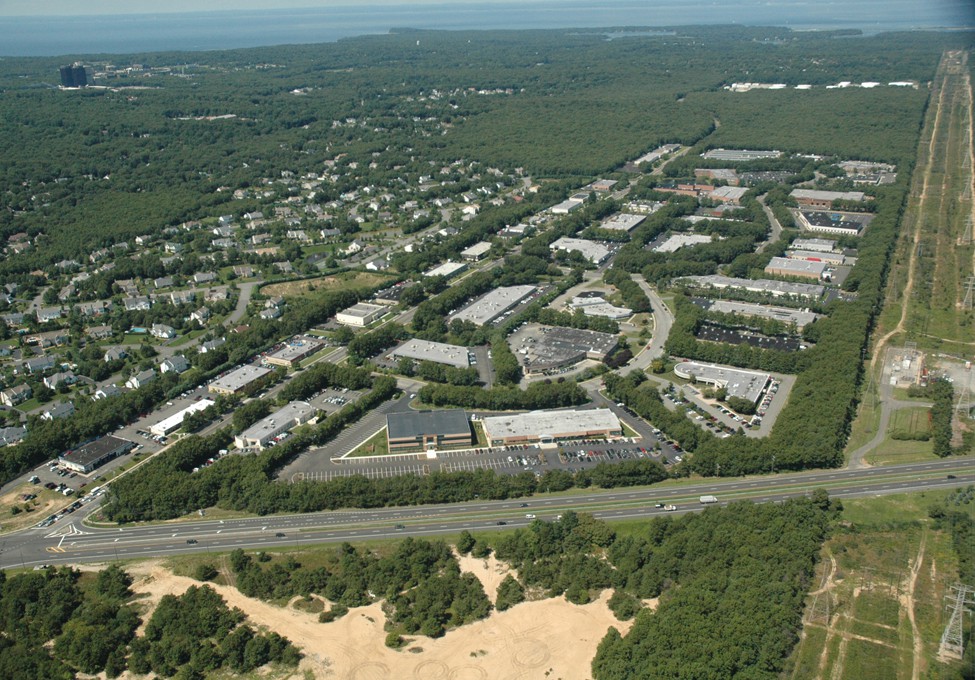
(911, 421)
(374, 446)
(893, 452)
(33, 511)
(324, 284)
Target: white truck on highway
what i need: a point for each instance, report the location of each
(707, 500)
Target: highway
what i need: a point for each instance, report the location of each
(70, 541)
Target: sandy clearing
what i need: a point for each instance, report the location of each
(550, 639)
(489, 571)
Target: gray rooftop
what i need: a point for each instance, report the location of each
(439, 352)
(416, 423)
(738, 382)
(809, 290)
(240, 378)
(492, 305)
(292, 414)
(622, 222)
(800, 317)
(592, 251)
(798, 267)
(550, 423)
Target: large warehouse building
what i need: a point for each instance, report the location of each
(95, 454)
(493, 304)
(548, 348)
(437, 352)
(426, 430)
(551, 426)
(360, 314)
(263, 432)
(293, 353)
(738, 382)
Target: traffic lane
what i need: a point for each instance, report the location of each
(105, 551)
(324, 518)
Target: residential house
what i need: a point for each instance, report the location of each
(204, 277)
(55, 380)
(182, 297)
(115, 354)
(136, 304)
(211, 345)
(107, 391)
(99, 332)
(163, 282)
(39, 364)
(12, 435)
(47, 314)
(58, 411)
(175, 364)
(141, 378)
(15, 395)
(96, 308)
(202, 315)
(162, 331)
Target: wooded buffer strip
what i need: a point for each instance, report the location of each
(742, 574)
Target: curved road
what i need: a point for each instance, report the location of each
(73, 542)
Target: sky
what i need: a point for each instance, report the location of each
(964, 9)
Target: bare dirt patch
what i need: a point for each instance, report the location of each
(545, 639)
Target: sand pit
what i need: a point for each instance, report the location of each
(549, 639)
(489, 571)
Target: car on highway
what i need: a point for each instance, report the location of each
(399, 527)
(529, 516)
(280, 534)
(670, 508)
(191, 541)
(524, 505)
(501, 523)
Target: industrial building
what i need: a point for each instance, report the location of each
(548, 348)
(263, 432)
(73, 76)
(834, 259)
(437, 352)
(807, 269)
(94, 454)
(446, 270)
(799, 317)
(775, 288)
(656, 154)
(243, 380)
(426, 430)
(592, 251)
(811, 198)
(566, 206)
(737, 382)
(551, 426)
(728, 194)
(822, 245)
(360, 315)
(175, 421)
(492, 305)
(675, 242)
(739, 154)
(476, 251)
(296, 351)
(847, 224)
(596, 305)
(623, 222)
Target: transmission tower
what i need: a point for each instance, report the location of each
(965, 399)
(820, 610)
(958, 598)
(966, 237)
(969, 293)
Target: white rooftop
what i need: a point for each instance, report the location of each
(446, 269)
(678, 241)
(592, 251)
(550, 423)
(623, 222)
(439, 352)
(493, 304)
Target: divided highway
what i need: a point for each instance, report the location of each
(75, 542)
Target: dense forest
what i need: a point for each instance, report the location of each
(98, 166)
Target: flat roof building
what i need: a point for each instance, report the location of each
(824, 199)
(799, 317)
(446, 270)
(822, 245)
(592, 251)
(738, 382)
(419, 430)
(476, 251)
(242, 380)
(740, 154)
(832, 222)
(551, 426)
(774, 288)
(264, 431)
(437, 352)
(656, 154)
(728, 194)
(296, 351)
(548, 348)
(94, 454)
(175, 421)
(360, 315)
(566, 206)
(675, 242)
(807, 269)
(622, 222)
(492, 305)
(597, 306)
(816, 256)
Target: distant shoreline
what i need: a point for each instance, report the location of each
(51, 36)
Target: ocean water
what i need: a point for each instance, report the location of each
(140, 33)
